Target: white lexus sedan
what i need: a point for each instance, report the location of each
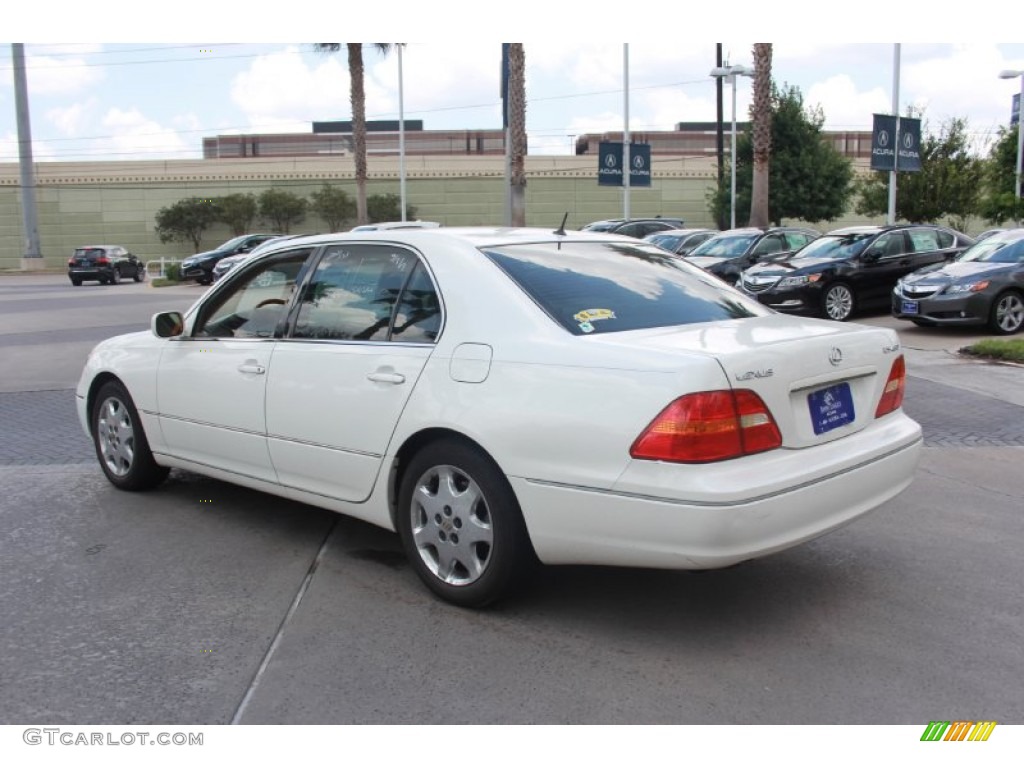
(500, 396)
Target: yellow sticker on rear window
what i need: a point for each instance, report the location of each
(589, 315)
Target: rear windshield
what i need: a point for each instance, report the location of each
(606, 287)
(90, 252)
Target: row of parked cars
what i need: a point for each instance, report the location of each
(930, 275)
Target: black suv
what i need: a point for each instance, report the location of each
(728, 253)
(105, 263)
(200, 267)
(638, 228)
(851, 268)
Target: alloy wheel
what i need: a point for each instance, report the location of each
(116, 436)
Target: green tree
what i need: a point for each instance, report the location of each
(238, 211)
(517, 131)
(388, 208)
(761, 118)
(999, 202)
(948, 183)
(809, 179)
(282, 208)
(186, 220)
(334, 206)
(357, 97)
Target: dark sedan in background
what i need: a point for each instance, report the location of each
(200, 266)
(728, 253)
(985, 286)
(680, 241)
(638, 228)
(852, 268)
(105, 263)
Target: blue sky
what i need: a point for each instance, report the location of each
(123, 99)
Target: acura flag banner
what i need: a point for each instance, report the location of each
(885, 144)
(609, 164)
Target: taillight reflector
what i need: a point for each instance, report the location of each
(709, 426)
(892, 395)
(102, 261)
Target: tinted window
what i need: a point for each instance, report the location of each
(923, 240)
(946, 239)
(769, 244)
(889, 244)
(606, 287)
(796, 240)
(352, 293)
(418, 312)
(668, 242)
(725, 246)
(254, 304)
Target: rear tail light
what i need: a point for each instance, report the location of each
(71, 262)
(102, 261)
(709, 426)
(892, 395)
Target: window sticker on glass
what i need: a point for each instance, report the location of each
(585, 318)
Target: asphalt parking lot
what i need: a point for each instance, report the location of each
(204, 603)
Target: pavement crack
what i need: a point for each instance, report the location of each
(265, 662)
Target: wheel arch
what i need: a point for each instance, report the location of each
(94, 387)
(412, 445)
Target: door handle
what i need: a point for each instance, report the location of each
(386, 378)
(252, 368)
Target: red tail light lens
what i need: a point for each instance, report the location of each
(71, 262)
(102, 261)
(709, 426)
(892, 395)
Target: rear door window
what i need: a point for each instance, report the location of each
(924, 240)
(605, 287)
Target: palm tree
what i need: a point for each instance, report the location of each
(517, 131)
(761, 115)
(357, 96)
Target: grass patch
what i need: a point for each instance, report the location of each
(997, 349)
(163, 282)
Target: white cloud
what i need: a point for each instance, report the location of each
(135, 135)
(282, 88)
(61, 69)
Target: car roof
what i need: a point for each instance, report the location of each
(80, 247)
(478, 236)
(679, 232)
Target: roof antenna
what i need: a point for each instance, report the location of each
(561, 229)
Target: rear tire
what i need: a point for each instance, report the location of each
(140, 275)
(120, 442)
(116, 277)
(461, 525)
(1007, 314)
(76, 281)
(838, 302)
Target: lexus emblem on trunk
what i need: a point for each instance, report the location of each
(835, 356)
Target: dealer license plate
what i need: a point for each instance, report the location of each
(910, 308)
(831, 408)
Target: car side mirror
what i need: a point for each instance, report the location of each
(872, 254)
(166, 325)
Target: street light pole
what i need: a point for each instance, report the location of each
(1008, 74)
(730, 74)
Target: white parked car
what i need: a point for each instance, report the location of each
(496, 395)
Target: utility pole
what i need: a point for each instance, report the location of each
(33, 256)
(720, 133)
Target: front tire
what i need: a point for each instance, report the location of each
(139, 275)
(1007, 315)
(838, 302)
(120, 442)
(461, 525)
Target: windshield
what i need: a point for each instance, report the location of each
(601, 226)
(996, 251)
(836, 246)
(591, 288)
(724, 246)
(668, 242)
(234, 242)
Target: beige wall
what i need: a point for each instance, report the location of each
(92, 203)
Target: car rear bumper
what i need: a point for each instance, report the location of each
(90, 273)
(590, 526)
